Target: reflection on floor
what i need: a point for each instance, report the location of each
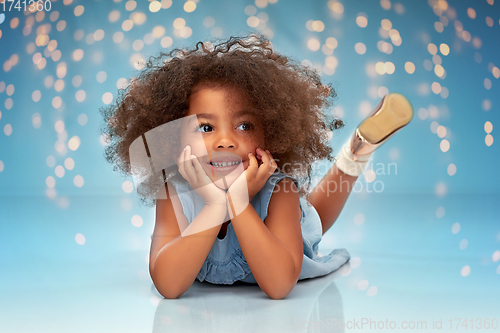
(245, 308)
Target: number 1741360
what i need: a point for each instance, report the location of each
(31, 5)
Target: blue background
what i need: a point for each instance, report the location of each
(413, 240)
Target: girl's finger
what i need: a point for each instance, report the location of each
(267, 167)
(253, 161)
(273, 162)
(258, 158)
(181, 164)
(253, 166)
(200, 173)
(266, 159)
(189, 164)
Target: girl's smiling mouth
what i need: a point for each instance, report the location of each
(224, 165)
(224, 162)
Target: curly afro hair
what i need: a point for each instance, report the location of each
(289, 99)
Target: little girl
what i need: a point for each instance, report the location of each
(222, 139)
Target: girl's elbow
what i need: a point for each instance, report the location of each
(169, 289)
(278, 294)
(277, 297)
(280, 291)
(283, 287)
(170, 292)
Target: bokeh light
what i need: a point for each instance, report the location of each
(69, 163)
(7, 129)
(369, 176)
(313, 44)
(155, 6)
(452, 169)
(465, 271)
(363, 285)
(80, 239)
(488, 140)
(444, 145)
(59, 171)
(488, 127)
(80, 95)
(471, 13)
(74, 143)
(78, 181)
(409, 67)
(137, 221)
(355, 262)
(359, 219)
(82, 119)
(440, 211)
(372, 291)
(362, 20)
(486, 105)
(360, 48)
(36, 120)
(50, 182)
(440, 189)
(127, 186)
(79, 10)
(496, 256)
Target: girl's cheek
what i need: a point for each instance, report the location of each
(194, 140)
(198, 149)
(196, 143)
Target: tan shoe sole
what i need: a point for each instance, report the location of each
(393, 113)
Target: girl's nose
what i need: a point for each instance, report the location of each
(225, 140)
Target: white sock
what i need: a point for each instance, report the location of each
(346, 163)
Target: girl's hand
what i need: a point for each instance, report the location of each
(250, 182)
(191, 169)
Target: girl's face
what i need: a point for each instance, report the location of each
(228, 130)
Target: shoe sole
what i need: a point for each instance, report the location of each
(393, 113)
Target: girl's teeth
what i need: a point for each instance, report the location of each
(221, 165)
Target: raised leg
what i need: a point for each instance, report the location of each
(330, 195)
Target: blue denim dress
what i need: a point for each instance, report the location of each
(226, 263)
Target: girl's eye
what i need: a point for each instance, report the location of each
(245, 126)
(204, 128)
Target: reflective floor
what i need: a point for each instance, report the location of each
(409, 269)
(424, 237)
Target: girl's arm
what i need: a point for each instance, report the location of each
(273, 249)
(175, 260)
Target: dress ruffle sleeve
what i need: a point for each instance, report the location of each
(234, 269)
